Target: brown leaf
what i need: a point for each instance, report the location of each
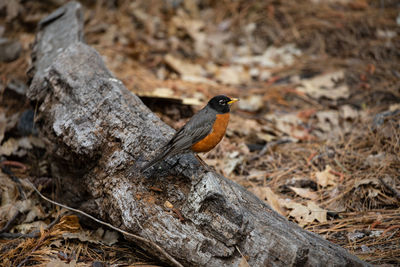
(325, 86)
(305, 215)
(19, 146)
(243, 262)
(183, 67)
(168, 205)
(60, 263)
(265, 193)
(318, 213)
(304, 192)
(98, 237)
(326, 178)
(232, 75)
(25, 228)
(251, 103)
(299, 212)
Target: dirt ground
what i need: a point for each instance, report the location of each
(316, 133)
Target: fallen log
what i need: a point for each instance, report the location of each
(100, 134)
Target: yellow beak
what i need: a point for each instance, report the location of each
(233, 100)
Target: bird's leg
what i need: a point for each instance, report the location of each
(208, 168)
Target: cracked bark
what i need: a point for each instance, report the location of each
(100, 134)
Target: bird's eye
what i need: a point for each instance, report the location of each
(222, 102)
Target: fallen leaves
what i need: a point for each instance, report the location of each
(325, 178)
(184, 68)
(326, 85)
(301, 213)
(289, 124)
(265, 193)
(252, 103)
(272, 57)
(232, 75)
(100, 236)
(19, 146)
(60, 263)
(304, 192)
(306, 214)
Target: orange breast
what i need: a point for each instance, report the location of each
(216, 135)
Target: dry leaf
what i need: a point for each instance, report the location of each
(243, 262)
(305, 215)
(299, 212)
(324, 86)
(265, 193)
(231, 162)
(232, 75)
(328, 120)
(19, 146)
(56, 243)
(110, 238)
(198, 79)
(151, 23)
(60, 263)
(273, 57)
(243, 126)
(318, 213)
(25, 228)
(257, 175)
(348, 112)
(194, 28)
(98, 237)
(35, 213)
(168, 205)
(290, 124)
(251, 103)
(184, 68)
(304, 192)
(372, 192)
(163, 92)
(365, 181)
(326, 178)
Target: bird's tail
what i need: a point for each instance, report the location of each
(157, 159)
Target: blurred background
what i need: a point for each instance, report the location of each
(316, 133)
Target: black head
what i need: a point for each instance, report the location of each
(221, 103)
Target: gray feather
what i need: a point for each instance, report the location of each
(197, 128)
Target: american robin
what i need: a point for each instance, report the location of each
(201, 133)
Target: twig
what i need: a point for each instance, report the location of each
(391, 189)
(14, 164)
(311, 157)
(179, 214)
(32, 234)
(341, 166)
(269, 145)
(136, 237)
(245, 263)
(389, 229)
(39, 242)
(10, 173)
(10, 223)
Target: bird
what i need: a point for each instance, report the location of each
(201, 133)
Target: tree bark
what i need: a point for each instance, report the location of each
(100, 134)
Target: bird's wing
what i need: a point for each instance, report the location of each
(198, 127)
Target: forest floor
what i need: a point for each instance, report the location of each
(316, 133)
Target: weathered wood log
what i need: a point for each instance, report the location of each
(100, 134)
